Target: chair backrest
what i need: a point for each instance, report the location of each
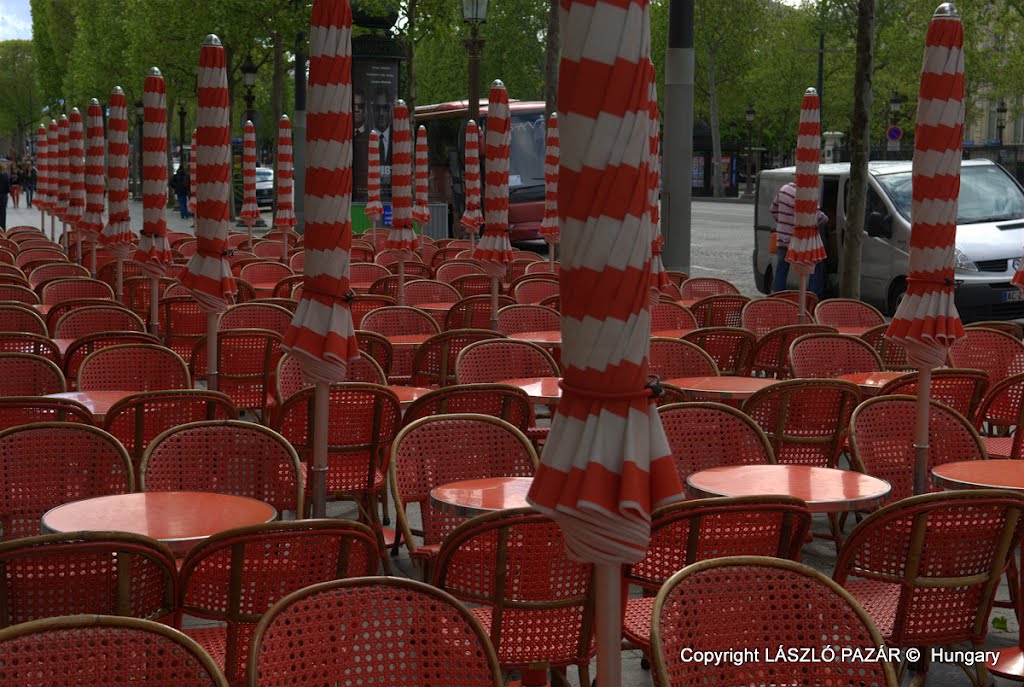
(961, 390)
(387, 285)
(847, 312)
(40, 571)
(138, 290)
(376, 346)
(542, 267)
(805, 420)
(55, 270)
(267, 249)
(771, 354)
(666, 315)
(449, 271)
(35, 344)
(944, 553)
(440, 449)
(226, 457)
(686, 532)
(691, 602)
(1014, 329)
(367, 272)
(399, 319)
(331, 618)
(473, 312)
(265, 563)
(48, 464)
(509, 403)
(1001, 414)
(831, 355)
(496, 360)
(433, 364)
(18, 294)
(73, 650)
(793, 296)
(527, 318)
(709, 435)
(764, 315)
(673, 358)
(363, 304)
(140, 418)
(58, 290)
(24, 374)
(182, 323)
(255, 315)
(265, 271)
(723, 310)
(246, 360)
(83, 346)
(534, 289)
(133, 367)
(702, 287)
(472, 285)
(892, 353)
(995, 352)
(390, 257)
(732, 348)
(539, 600)
(24, 410)
(429, 291)
(108, 272)
(882, 440)
(446, 254)
(96, 319)
(290, 378)
(14, 317)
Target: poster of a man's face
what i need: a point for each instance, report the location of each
(358, 112)
(375, 88)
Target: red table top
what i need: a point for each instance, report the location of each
(871, 381)
(98, 402)
(42, 308)
(177, 518)
(973, 474)
(264, 285)
(476, 496)
(671, 333)
(826, 490)
(408, 394)
(440, 307)
(63, 344)
(408, 339)
(855, 331)
(538, 388)
(687, 302)
(736, 388)
(360, 285)
(551, 338)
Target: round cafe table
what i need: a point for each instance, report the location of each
(990, 474)
(871, 382)
(547, 338)
(438, 311)
(539, 389)
(722, 388)
(672, 333)
(98, 402)
(408, 340)
(180, 519)
(471, 497)
(63, 345)
(826, 490)
(853, 330)
(408, 394)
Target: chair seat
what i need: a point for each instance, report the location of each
(880, 600)
(998, 447)
(636, 625)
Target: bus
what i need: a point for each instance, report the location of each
(446, 133)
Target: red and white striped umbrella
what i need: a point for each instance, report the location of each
(76, 177)
(53, 175)
(374, 208)
(117, 236)
(472, 218)
(95, 157)
(401, 237)
(63, 172)
(40, 199)
(284, 210)
(421, 207)
(250, 211)
(607, 463)
(549, 225)
(154, 252)
(494, 249)
(192, 175)
(322, 335)
(659, 277)
(805, 248)
(926, 321)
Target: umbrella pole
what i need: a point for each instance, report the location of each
(472, 241)
(608, 624)
(284, 245)
(924, 384)
(53, 228)
(78, 247)
(551, 257)
(803, 298)
(92, 258)
(211, 350)
(401, 282)
(119, 280)
(494, 303)
(318, 475)
(42, 221)
(248, 229)
(154, 301)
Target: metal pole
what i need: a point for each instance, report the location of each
(676, 193)
(299, 134)
(474, 45)
(750, 159)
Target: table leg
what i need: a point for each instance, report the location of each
(1010, 663)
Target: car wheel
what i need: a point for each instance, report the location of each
(896, 292)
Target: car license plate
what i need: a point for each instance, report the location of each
(1013, 295)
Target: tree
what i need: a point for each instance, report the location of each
(19, 98)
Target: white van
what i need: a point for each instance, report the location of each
(989, 237)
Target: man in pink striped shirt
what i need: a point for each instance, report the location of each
(784, 214)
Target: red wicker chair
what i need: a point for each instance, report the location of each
(82, 347)
(768, 314)
(97, 319)
(387, 258)
(709, 435)
(361, 305)
(696, 288)
(1001, 417)
(18, 318)
(290, 379)
(18, 294)
(429, 291)
(137, 291)
(731, 348)
(793, 296)
(255, 315)
(264, 272)
(48, 464)
(12, 271)
(24, 374)
(673, 358)
(416, 269)
(137, 420)
(108, 272)
(58, 290)
(433, 364)
(445, 448)
(446, 254)
(542, 268)
(723, 310)
(1014, 329)
(385, 286)
(359, 253)
(534, 601)
(690, 605)
(961, 390)
(332, 617)
(396, 320)
(473, 312)
(73, 650)
(847, 312)
(997, 353)
(665, 315)
(284, 288)
(771, 354)
(684, 533)
(57, 270)
(368, 272)
(449, 271)
(133, 367)
(472, 285)
(25, 410)
(54, 313)
(267, 562)
(26, 257)
(497, 400)
(182, 324)
(926, 568)
(268, 250)
(496, 360)
(805, 420)
(882, 440)
(527, 318)
(831, 355)
(246, 360)
(225, 457)
(39, 573)
(33, 344)
(892, 353)
(534, 289)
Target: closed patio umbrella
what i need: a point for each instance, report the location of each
(208, 274)
(284, 208)
(53, 175)
(374, 208)
(321, 334)
(805, 248)
(76, 177)
(926, 321)
(659, 278)
(250, 212)
(42, 182)
(401, 237)
(192, 178)
(63, 176)
(95, 149)
(494, 249)
(472, 218)
(549, 225)
(607, 463)
(117, 235)
(421, 201)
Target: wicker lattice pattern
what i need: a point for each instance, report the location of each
(96, 319)
(768, 314)
(367, 272)
(138, 289)
(846, 312)
(59, 290)
(14, 318)
(256, 316)
(24, 374)
(771, 355)
(375, 346)
(285, 287)
(1014, 329)
(433, 364)
(509, 403)
(18, 294)
(361, 305)
(997, 353)
(473, 311)
(892, 353)
(246, 359)
(793, 296)
(291, 379)
(33, 344)
(265, 271)
(386, 286)
(731, 348)
(59, 310)
(961, 390)
(831, 355)
(500, 359)
(719, 311)
(1002, 414)
(672, 358)
(666, 315)
(25, 410)
(707, 435)
(395, 320)
(448, 272)
(235, 577)
(473, 285)
(82, 347)
(535, 289)
(702, 287)
(429, 291)
(133, 367)
(417, 636)
(527, 318)
(770, 602)
(45, 273)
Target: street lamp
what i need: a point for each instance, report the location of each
(1001, 119)
(181, 133)
(474, 13)
(749, 193)
(140, 113)
(249, 81)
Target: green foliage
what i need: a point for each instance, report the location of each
(19, 98)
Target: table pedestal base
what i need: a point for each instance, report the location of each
(1010, 664)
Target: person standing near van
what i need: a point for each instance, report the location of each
(783, 210)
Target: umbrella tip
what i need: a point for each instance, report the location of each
(554, 115)
(497, 83)
(400, 103)
(249, 123)
(811, 91)
(154, 71)
(94, 101)
(471, 121)
(63, 117)
(284, 118)
(118, 90)
(947, 9)
(211, 39)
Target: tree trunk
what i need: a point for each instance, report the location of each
(277, 98)
(716, 138)
(551, 61)
(860, 149)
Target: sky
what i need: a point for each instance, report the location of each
(15, 20)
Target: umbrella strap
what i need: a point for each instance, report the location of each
(651, 389)
(940, 281)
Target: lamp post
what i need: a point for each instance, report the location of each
(249, 81)
(750, 113)
(474, 13)
(140, 112)
(1001, 119)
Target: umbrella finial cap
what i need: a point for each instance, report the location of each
(497, 83)
(154, 71)
(284, 118)
(399, 103)
(811, 91)
(249, 123)
(554, 115)
(118, 90)
(472, 121)
(74, 110)
(63, 117)
(211, 39)
(947, 9)
(94, 101)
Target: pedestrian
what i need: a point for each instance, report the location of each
(15, 182)
(5, 189)
(30, 178)
(180, 184)
(783, 210)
